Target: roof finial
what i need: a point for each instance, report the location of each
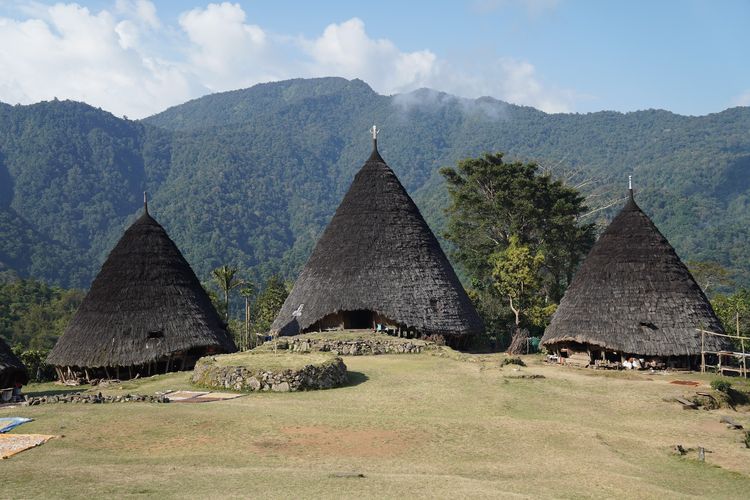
(375, 133)
(630, 186)
(145, 201)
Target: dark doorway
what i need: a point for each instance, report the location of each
(360, 319)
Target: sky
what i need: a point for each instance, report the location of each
(139, 57)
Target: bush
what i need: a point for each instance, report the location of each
(512, 361)
(721, 385)
(35, 362)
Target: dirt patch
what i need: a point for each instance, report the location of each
(691, 383)
(329, 441)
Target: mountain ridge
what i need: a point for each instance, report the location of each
(252, 176)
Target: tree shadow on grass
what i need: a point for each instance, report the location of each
(355, 378)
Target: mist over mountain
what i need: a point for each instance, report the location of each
(252, 176)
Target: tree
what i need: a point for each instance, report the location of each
(734, 312)
(226, 278)
(269, 302)
(516, 273)
(709, 275)
(492, 201)
(248, 292)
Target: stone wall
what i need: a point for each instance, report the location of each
(240, 378)
(79, 397)
(356, 347)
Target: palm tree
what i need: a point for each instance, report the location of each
(226, 277)
(248, 291)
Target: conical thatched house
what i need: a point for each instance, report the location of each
(12, 370)
(146, 313)
(632, 298)
(378, 263)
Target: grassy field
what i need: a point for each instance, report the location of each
(416, 426)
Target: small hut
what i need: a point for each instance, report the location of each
(146, 313)
(379, 266)
(12, 370)
(632, 300)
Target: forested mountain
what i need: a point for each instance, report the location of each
(252, 176)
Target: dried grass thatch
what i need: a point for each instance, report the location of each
(634, 295)
(145, 305)
(12, 370)
(378, 254)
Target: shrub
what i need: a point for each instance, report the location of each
(35, 362)
(721, 385)
(512, 361)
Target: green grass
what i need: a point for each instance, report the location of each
(419, 426)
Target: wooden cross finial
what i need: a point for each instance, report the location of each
(145, 201)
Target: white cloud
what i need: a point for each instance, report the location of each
(75, 54)
(742, 99)
(226, 50)
(346, 50)
(127, 61)
(141, 11)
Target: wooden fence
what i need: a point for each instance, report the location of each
(726, 361)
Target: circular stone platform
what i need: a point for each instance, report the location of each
(352, 343)
(270, 371)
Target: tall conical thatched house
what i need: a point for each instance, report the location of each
(146, 313)
(378, 263)
(12, 370)
(632, 297)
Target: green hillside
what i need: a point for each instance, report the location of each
(252, 176)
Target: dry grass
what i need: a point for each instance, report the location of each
(273, 361)
(415, 426)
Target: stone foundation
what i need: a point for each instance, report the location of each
(242, 378)
(79, 397)
(366, 346)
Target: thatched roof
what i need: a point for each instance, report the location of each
(146, 303)
(633, 294)
(378, 254)
(11, 368)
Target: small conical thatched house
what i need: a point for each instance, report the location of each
(12, 370)
(632, 297)
(378, 263)
(146, 313)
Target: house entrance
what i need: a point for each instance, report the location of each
(358, 320)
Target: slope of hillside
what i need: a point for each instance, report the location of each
(252, 176)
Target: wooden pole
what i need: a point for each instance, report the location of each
(737, 322)
(703, 352)
(744, 358)
(247, 323)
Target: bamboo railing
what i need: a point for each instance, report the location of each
(742, 355)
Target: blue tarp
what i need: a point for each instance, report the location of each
(8, 423)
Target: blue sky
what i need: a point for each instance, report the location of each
(137, 57)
